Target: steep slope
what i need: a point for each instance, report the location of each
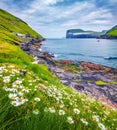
(112, 31)
(10, 26)
(31, 98)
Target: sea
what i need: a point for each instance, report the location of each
(99, 51)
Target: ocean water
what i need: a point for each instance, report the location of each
(100, 51)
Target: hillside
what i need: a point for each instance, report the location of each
(112, 31)
(79, 33)
(31, 98)
(10, 26)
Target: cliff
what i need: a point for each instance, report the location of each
(79, 33)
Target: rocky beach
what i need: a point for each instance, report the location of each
(92, 79)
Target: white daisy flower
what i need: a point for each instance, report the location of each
(15, 103)
(52, 110)
(12, 90)
(84, 121)
(20, 94)
(12, 95)
(61, 105)
(6, 79)
(22, 87)
(36, 111)
(18, 82)
(18, 101)
(77, 111)
(61, 112)
(37, 99)
(95, 118)
(70, 120)
(35, 62)
(6, 89)
(101, 126)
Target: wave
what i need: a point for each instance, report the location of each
(97, 56)
(76, 54)
(56, 55)
(105, 58)
(110, 58)
(65, 55)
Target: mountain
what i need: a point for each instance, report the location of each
(10, 26)
(112, 31)
(79, 33)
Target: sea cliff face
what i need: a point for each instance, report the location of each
(79, 33)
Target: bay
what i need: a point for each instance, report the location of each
(99, 51)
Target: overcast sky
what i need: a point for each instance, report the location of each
(52, 18)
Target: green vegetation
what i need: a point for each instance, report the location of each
(101, 83)
(68, 66)
(11, 25)
(31, 98)
(113, 31)
(113, 82)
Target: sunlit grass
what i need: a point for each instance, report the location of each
(35, 103)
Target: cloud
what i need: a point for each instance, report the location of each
(51, 2)
(52, 18)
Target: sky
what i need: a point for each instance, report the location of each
(51, 18)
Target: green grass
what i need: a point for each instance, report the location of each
(113, 31)
(31, 98)
(10, 25)
(52, 95)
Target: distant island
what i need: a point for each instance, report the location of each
(79, 33)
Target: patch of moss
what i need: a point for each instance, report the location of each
(99, 82)
(113, 82)
(68, 67)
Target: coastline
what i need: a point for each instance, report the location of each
(92, 79)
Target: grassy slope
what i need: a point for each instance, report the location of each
(113, 31)
(44, 103)
(9, 25)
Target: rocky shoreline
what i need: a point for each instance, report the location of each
(92, 79)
